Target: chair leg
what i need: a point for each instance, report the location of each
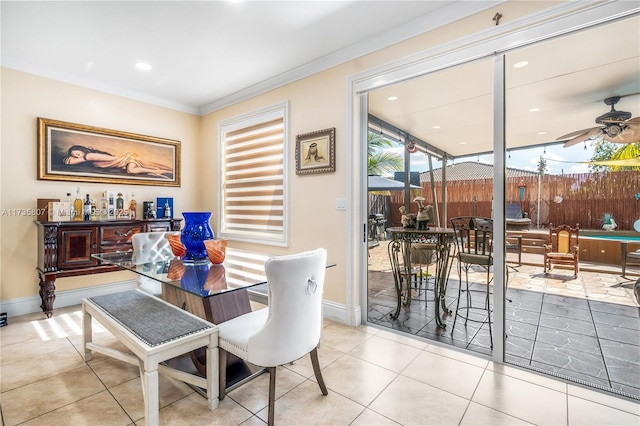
(316, 370)
(222, 373)
(272, 395)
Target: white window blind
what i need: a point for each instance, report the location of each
(253, 196)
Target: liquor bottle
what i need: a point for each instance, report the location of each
(94, 210)
(167, 209)
(119, 205)
(133, 207)
(104, 207)
(87, 209)
(69, 202)
(77, 206)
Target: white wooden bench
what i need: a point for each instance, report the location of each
(154, 331)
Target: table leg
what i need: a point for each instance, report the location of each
(442, 272)
(393, 249)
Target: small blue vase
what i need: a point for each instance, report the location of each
(196, 230)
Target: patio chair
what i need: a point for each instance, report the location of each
(560, 250)
(514, 218)
(474, 247)
(629, 256)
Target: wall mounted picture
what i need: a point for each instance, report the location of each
(315, 152)
(77, 152)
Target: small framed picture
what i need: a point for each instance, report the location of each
(315, 152)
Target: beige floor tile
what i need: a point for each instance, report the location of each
(254, 395)
(528, 376)
(18, 351)
(410, 402)
(193, 411)
(30, 370)
(403, 338)
(343, 338)
(305, 405)
(113, 372)
(459, 355)
(129, 395)
(385, 353)
(356, 379)
(253, 421)
(619, 403)
(479, 415)
(588, 413)
(99, 409)
(368, 329)
(525, 400)
(326, 355)
(51, 393)
(445, 373)
(371, 418)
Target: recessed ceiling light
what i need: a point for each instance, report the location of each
(143, 66)
(534, 110)
(542, 133)
(392, 98)
(463, 143)
(436, 127)
(520, 64)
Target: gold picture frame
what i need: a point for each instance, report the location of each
(315, 152)
(81, 153)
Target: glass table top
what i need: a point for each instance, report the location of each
(201, 279)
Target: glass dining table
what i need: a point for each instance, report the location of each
(211, 291)
(214, 292)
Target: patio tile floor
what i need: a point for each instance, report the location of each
(585, 329)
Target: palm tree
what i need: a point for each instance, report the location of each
(605, 151)
(380, 160)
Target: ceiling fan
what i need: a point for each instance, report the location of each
(617, 127)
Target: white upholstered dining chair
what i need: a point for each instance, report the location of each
(289, 328)
(150, 247)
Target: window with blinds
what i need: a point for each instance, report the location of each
(253, 177)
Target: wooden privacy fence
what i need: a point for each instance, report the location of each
(564, 199)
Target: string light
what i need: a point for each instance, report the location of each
(509, 154)
(544, 151)
(585, 145)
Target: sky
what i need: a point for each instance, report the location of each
(559, 159)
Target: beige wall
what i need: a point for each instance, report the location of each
(26, 97)
(316, 102)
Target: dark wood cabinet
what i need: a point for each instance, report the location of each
(65, 248)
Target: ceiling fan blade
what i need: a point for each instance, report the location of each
(589, 134)
(630, 134)
(578, 132)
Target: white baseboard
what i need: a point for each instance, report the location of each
(31, 304)
(28, 305)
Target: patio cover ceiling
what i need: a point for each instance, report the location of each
(561, 90)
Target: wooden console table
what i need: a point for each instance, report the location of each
(65, 249)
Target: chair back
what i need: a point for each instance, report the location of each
(294, 323)
(474, 239)
(150, 247)
(560, 238)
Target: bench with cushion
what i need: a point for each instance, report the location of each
(155, 331)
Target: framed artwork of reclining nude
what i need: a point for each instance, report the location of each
(77, 152)
(315, 152)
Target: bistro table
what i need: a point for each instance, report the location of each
(400, 256)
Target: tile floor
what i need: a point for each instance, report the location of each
(374, 376)
(586, 329)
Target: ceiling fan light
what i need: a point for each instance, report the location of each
(613, 130)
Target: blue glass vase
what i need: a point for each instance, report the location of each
(196, 230)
